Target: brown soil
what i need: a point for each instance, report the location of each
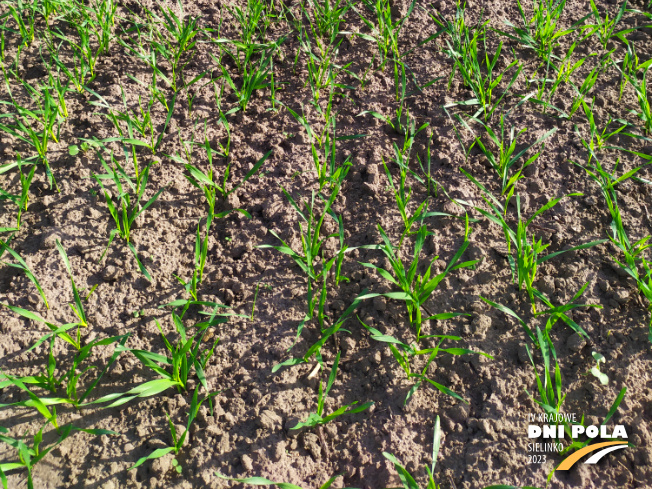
(484, 442)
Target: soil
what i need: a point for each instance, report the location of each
(483, 442)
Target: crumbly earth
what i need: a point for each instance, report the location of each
(485, 441)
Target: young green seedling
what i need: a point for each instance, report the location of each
(84, 53)
(595, 371)
(22, 199)
(385, 30)
(480, 75)
(402, 122)
(630, 65)
(640, 87)
(24, 15)
(201, 253)
(142, 48)
(318, 418)
(312, 242)
(41, 405)
(208, 184)
(253, 305)
(325, 17)
(29, 457)
(590, 81)
(461, 37)
(212, 186)
(177, 441)
(416, 288)
(315, 349)
(608, 182)
(539, 33)
(555, 75)
(551, 396)
(177, 39)
(503, 159)
(127, 207)
(171, 37)
(599, 138)
(635, 264)
(527, 249)
(425, 178)
(330, 171)
(77, 307)
(70, 376)
(60, 331)
(322, 68)
(103, 22)
(223, 150)
(256, 75)
(553, 312)
(139, 120)
(253, 22)
(407, 355)
(35, 127)
(323, 146)
(605, 28)
(175, 368)
(407, 479)
(60, 89)
(402, 192)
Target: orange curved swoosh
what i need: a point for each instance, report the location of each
(570, 460)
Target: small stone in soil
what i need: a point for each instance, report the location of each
(575, 342)
(49, 240)
(348, 345)
(481, 325)
(459, 413)
(278, 452)
(269, 420)
(247, 462)
(110, 273)
(311, 444)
